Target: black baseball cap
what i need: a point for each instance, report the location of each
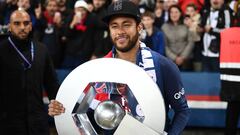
(122, 7)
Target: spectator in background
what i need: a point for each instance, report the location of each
(179, 43)
(159, 14)
(154, 38)
(90, 5)
(21, 4)
(65, 12)
(25, 68)
(235, 6)
(102, 39)
(3, 28)
(166, 5)
(80, 30)
(238, 18)
(142, 6)
(192, 20)
(7, 7)
(184, 3)
(24, 4)
(48, 30)
(70, 4)
(214, 19)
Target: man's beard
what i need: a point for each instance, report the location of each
(16, 36)
(131, 44)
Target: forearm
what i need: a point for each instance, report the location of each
(179, 122)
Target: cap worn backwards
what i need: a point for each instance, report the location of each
(122, 7)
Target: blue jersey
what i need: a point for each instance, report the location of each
(170, 84)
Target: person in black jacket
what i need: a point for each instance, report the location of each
(25, 71)
(80, 31)
(102, 39)
(215, 18)
(48, 30)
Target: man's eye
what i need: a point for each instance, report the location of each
(114, 27)
(126, 25)
(16, 23)
(26, 23)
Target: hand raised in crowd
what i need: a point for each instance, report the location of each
(76, 19)
(188, 22)
(55, 108)
(57, 19)
(38, 11)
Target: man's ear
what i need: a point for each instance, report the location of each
(140, 27)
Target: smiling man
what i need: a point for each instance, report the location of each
(124, 21)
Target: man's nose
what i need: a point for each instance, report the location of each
(120, 30)
(22, 26)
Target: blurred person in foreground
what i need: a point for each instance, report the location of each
(25, 70)
(124, 21)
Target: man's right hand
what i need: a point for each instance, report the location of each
(55, 108)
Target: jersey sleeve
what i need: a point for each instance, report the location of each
(175, 98)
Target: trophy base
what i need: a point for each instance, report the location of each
(131, 126)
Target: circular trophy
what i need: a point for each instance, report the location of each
(91, 92)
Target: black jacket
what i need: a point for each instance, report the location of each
(205, 13)
(102, 40)
(80, 43)
(49, 35)
(224, 19)
(22, 110)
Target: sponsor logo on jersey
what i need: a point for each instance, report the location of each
(179, 94)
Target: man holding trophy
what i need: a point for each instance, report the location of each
(124, 21)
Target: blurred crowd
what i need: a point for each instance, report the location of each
(185, 31)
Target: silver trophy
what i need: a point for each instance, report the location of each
(91, 97)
